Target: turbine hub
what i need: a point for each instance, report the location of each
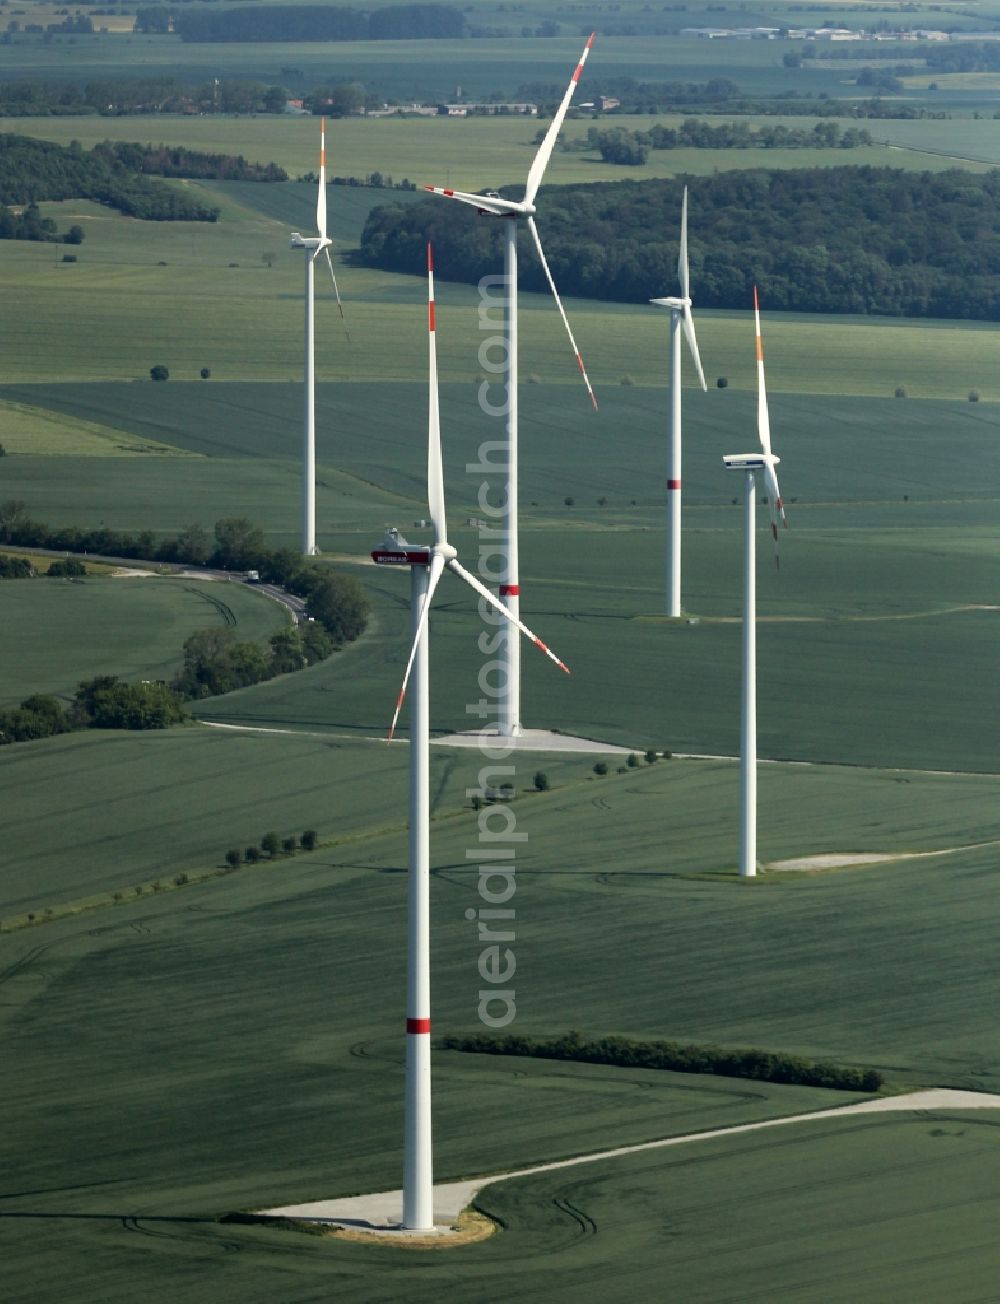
(446, 551)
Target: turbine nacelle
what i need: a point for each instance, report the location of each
(750, 461)
(313, 242)
(672, 302)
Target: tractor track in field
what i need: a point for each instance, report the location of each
(23, 962)
(223, 608)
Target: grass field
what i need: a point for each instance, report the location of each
(56, 633)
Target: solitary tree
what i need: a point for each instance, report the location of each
(205, 373)
(159, 372)
(541, 781)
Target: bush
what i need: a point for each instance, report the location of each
(633, 760)
(288, 845)
(601, 767)
(308, 840)
(541, 781)
(69, 258)
(651, 756)
(900, 392)
(234, 857)
(628, 380)
(569, 501)
(67, 566)
(973, 395)
(270, 843)
(722, 382)
(205, 373)
(159, 372)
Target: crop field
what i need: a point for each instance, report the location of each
(58, 632)
(131, 1137)
(482, 152)
(405, 70)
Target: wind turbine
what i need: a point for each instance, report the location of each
(680, 318)
(426, 568)
(313, 246)
(748, 463)
(491, 204)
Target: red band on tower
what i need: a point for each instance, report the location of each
(510, 590)
(673, 484)
(421, 1026)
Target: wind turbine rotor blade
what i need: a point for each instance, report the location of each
(692, 340)
(484, 592)
(562, 311)
(437, 569)
(775, 507)
(336, 290)
(683, 270)
(541, 159)
(486, 204)
(321, 195)
(435, 474)
(763, 420)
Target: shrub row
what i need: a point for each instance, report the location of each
(764, 1066)
(272, 845)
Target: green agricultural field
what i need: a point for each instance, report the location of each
(57, 632)
(34, 432)
(425, 70)
(275, 994)
(480, 152)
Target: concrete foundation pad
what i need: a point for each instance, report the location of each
(531, 740)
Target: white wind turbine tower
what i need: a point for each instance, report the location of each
(748, 463)
(680, 318)
(509, 704)
(313, 246)
(426, 568)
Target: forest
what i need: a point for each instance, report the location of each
(316, 23)
(35, 170)
(830, 240)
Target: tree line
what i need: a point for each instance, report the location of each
(111, 97)
(336, 602)
(829, 240)
(32, 171)
(177, 161)
(619, 145)
(301, 23)
(626, 1052)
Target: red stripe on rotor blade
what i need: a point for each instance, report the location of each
(756, 301)
(673, 484)
(510, 590)
(430, 257)
(422, 1026)
(760, 349)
